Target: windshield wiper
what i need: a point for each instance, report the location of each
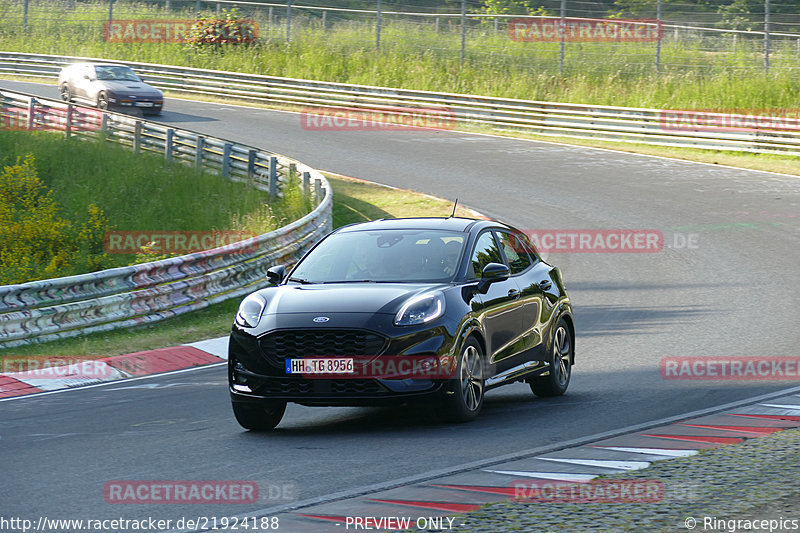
(301, 281)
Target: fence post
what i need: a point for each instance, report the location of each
(317, 190)
(137, 137)
(766, 35)
(378, 27)
(269, 18)
(658, 41)
(104, 126)
(288, 21)
(68, 122)
(110, 13)
(197, 8)
(436, 23)
(198, 155)
(168, 145)
(306, 184)
(562, 31)
(273, 176)
(251, 166)
(226, 160)
(25, 17)
(463, 29)
(324, 20)
(31, 111)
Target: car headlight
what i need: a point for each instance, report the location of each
(250, 310)
(420, 309)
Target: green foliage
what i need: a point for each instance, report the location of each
(516, 7)
(56, 224)
(217, 33)
(36, 242)
(709, 71)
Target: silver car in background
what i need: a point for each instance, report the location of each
(109, 86)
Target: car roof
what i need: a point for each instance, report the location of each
(439, 223)
(93, 64)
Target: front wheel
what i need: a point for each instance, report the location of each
(259, 417)
(65, 92)
(465, 401)
(102, 101)
(555, 383)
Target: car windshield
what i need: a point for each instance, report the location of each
(405, 256)
(116, 73)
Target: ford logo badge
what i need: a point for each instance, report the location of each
(321, 319)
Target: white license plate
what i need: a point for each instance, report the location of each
(144, 104)
(338, 365)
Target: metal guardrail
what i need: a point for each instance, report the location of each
(121, 297)
(692, 129)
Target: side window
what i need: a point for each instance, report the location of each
(485, 252)
(515, 251)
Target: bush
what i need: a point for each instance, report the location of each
(215, 33)
(35, 242)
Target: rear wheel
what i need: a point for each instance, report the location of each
(259, 417)
(555, 383)
(466, 400)
(66, 93)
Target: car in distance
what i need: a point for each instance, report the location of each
(109, 86)
(434, 310)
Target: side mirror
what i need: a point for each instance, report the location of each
(493, 272)
(276, 274)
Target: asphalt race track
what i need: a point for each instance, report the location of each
(734, 293)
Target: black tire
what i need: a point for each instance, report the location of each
(102, 101)
(65, 92)
(555, 383)
(259, 417)
(466, 400)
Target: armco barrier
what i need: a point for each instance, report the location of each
(608, 123)
(127, 296)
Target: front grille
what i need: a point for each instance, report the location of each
(296, 343)
(293, 386)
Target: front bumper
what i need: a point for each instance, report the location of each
(143, 104)
(256, 376)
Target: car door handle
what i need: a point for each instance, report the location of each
(514, 294)
(545, 284)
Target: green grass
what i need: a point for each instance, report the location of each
(703, 72)
(142, 192)
(354, 201)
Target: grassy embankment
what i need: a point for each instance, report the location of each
(140, 192)
(133, 193)
(717, 73)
